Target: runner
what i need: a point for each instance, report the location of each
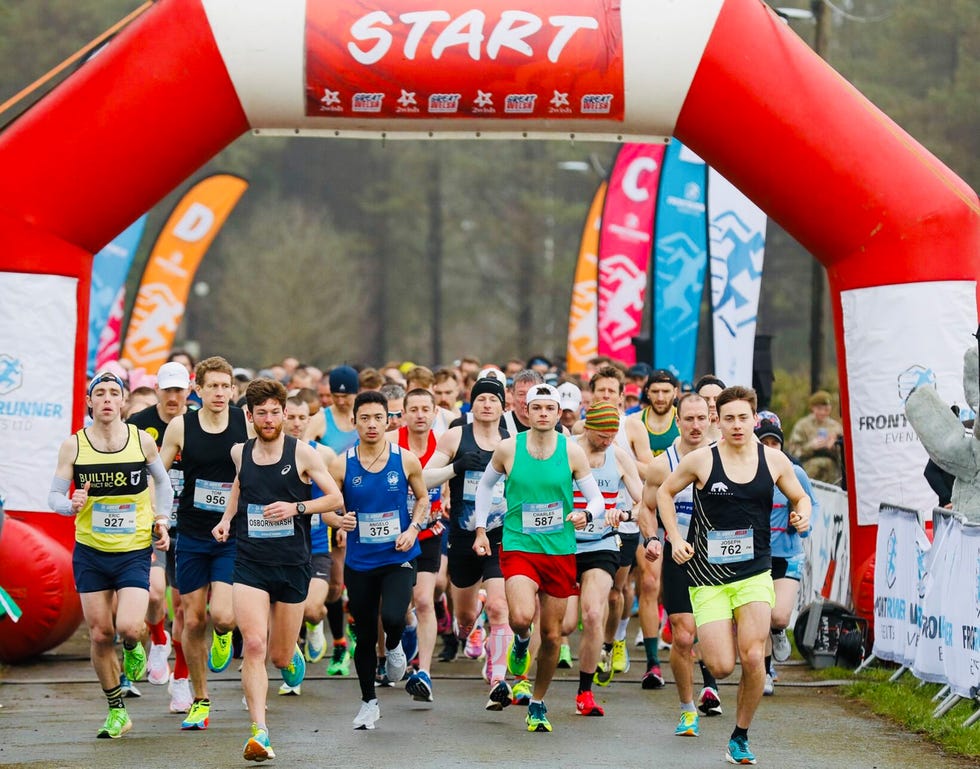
(537, 554)
(728, 555)
(709, 387)
(375, 476)
(693, 423)
(269, 507)
(109, 463)
(204, 439)
(461, 456)
(597, 545)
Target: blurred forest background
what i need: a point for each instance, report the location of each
(368, 251)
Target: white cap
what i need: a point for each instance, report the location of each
(571, 396)
(173, 374)
(543, 392)
(492, 372)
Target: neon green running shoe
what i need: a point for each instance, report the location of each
(339, 664)
(219, 657)
(565, 656)
(116, 724)
(518, 663)
(603, 669)
(294, 673)
(688, 725)
(537, 718)
(521, 692)
(198, 717)
(620, 657)
(134, 662)
(257, 747)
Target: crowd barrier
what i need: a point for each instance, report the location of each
(927, 602)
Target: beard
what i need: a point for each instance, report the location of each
(265, 437)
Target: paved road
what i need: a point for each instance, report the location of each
(52, 709)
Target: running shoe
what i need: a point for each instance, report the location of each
(219, 656)
(603, 669)
(585, 705)
(419, 685)
(294, 673)
(774, 672)
(198, 717)
(487, 670)
(410, 641)
(381, 674)
(339, 664)
(653, 678)
(688, 725)
(521, 692)
(474, 642)
(396, 663)
(500, 696)
(367, 716)
(638, 641)
(709, 702)
(620, 657)
(116, 724)
(127, 687)
(157, 666)
(444, 619)
(565, 656)
(181, 698)
(518, 663)
(285, 690)
(537, 718)
(257, 747)
(768, 688)
(738, 751)
(316, 642)
(450, 647)
(781, 647)
(134, 662)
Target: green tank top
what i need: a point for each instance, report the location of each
(660, 442)
(539, 499)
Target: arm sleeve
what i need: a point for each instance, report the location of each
(595, 504)
(484, 495)
(163, 492)
(58, 496)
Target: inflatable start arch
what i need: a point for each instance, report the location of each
(898, 232)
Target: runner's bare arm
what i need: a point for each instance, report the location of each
(439, 468)
(789, 484)
(690, 470)
(419, 513)
(595, 505)
(311, 465)
(173, 441)
(58, 499)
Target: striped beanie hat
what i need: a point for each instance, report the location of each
(603, 417)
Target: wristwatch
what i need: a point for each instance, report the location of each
(648, 540)
(417, 525)
(300, 508)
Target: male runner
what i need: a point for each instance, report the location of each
(537, 554)
(728, 556)
(269, 507)
(109, 463)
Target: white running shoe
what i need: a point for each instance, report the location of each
(768, 689)
(368, 715)
(287, 690)
(181, 697)
(781, 647)
(396, 664)
(157, 666)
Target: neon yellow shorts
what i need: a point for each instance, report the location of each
(719, 602)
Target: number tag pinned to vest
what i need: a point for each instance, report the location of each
(731, 546)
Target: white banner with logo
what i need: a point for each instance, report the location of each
(38, 327)
(737, 244)
(899, 566)
(963, 665)
(935, 630)
(828, 549)
(896, 338)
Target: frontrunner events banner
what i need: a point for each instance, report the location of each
(439, 58)
(109, 270)
(38, 316)
(935, 628)
(583, 331)
(170, 270)
(625, 247)
(899, 337)
(680, 259)
(737, 235)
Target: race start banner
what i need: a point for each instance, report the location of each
(679, 262)
(583, 318)
(39, 319)
(897, 338)
(626, 248)
(557, 59)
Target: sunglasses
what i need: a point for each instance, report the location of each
(394, 415)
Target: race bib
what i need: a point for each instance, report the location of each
(731, 546)
(594, 530)
(211, 495)
(684, 512)
(114, 519)
(262, 528)
(177, 481)
(375, 528)
(542, 517)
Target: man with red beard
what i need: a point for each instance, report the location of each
(270, 507)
